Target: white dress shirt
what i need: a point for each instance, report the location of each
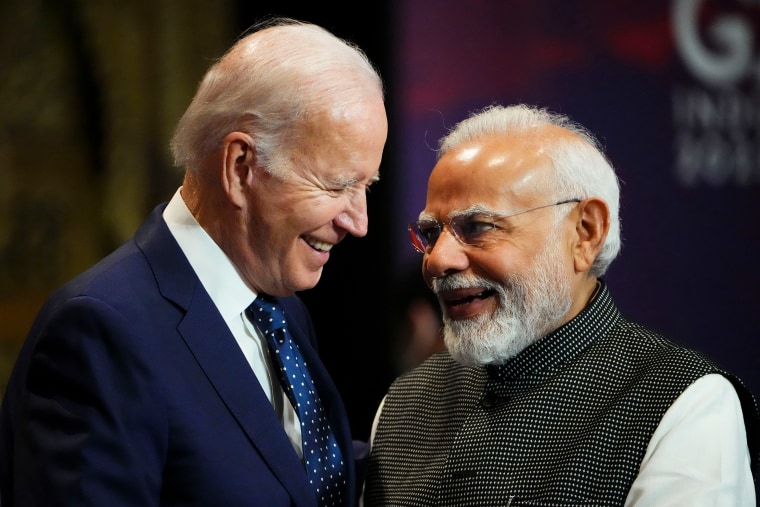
(231, 296)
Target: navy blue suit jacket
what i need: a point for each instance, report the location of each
(131, 391)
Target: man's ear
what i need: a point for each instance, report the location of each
(592, 225)
(238, 159)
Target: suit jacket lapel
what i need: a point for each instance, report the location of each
(217, 353)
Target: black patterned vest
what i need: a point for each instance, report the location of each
(565, 422)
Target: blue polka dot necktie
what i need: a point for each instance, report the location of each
(322, 456)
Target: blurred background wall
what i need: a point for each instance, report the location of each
(90, 92)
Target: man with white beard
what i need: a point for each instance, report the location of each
(546, 394)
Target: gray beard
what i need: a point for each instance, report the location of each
(531, 304)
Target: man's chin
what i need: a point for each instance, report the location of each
(498, 341)
(463, 352)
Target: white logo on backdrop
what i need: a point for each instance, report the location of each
(716, 111)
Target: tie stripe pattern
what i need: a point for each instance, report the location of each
(322, 456)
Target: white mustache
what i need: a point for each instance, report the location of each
(461, 281)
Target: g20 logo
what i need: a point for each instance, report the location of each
(718, 45)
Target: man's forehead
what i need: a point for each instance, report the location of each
(496, 188)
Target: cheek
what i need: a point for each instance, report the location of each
(503, 264)
(314, 213)
(498, 266)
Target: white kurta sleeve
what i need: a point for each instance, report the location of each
(698, 455)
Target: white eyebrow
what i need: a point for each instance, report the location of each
(475, 209)
(342, 181)
(346, 182)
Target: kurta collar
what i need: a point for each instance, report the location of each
(563, 344)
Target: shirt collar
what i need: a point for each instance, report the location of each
(215, 270)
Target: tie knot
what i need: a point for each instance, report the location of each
(267, 314)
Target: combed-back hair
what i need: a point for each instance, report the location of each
(280, 75)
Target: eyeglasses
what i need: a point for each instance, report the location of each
(470, 229)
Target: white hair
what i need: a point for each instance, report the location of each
(268, 85)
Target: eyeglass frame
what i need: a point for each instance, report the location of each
(419, 241)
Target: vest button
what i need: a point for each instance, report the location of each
(488, 400)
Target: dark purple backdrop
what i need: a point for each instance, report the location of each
(671, 89)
